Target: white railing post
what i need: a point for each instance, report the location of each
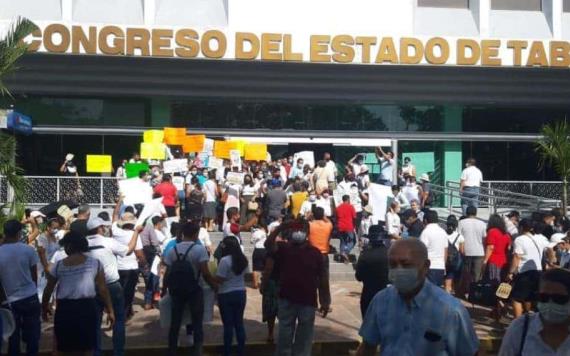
(101, 192)
(58, 189)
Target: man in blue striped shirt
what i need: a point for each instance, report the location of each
(413, 316)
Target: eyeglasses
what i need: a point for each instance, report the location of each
(556, 298)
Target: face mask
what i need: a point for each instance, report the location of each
(312, 198)
(554, 313)
(404, 279)
(54, 231)
(300, 166)
(193, 173)
(298, 237)
(326, 196)
(260, 176)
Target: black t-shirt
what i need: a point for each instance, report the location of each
(415, 230)
(80, 227)
(372, 270)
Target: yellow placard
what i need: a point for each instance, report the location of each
(255, 152)
(240, 146)
(194, 143)
(174, 135)
(99, 164)
(152, 151)
(222, 149)
(153, 136)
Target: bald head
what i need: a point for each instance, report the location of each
(408, 253)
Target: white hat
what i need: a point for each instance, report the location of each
(34, 214)
(555, 239)
(95, 222)
(424, 177)
(69, 157)
(368, 209)
(8, 325)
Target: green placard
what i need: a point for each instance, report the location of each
(424, 162)
(133, 169)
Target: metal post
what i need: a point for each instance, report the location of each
(57, 189)
(450, 203)
(530, 188)
(101, 193)
(395, 168)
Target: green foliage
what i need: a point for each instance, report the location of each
(554, 150)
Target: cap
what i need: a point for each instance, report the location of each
(555, 239)
(424, 177)
(69, 157)
(95, 222)
(36, 213)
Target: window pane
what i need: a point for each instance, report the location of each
(459, 4)
(529, 5)
(566, 5)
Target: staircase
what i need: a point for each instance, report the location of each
(339, 272)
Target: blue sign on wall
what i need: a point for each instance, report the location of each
(20, 123)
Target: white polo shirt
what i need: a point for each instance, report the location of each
(472, 176)
(530, 250)
(107, 255)
(435, 239)
(124, 237)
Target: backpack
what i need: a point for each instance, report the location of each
(182, 282)
(453, 255)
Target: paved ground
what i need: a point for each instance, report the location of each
(341, 325)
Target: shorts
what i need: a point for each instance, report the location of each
(258, 259)
(210, 210)
(75, 324)
(525, 286)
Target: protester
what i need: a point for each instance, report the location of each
(18, 277)
(387, 164)
(212, 195)
(151, 239)
(79, 279)
(470, 184)
(248, 203)
(186, 262)
(297, 198)
(79, 225)
(547, 332)
(232, 294)
(526, 267)
(68, 168)
(320, 233)
(326, 202)
(297, 171)
(455, 254)
(413, 225)
(372, 266)
(512, 223)
(474, 232)
(276, 200)
(169, 195)
(495, 264)
(47, 246)
(195, 198)
(427, 193)
(258, 237)
(400, 197)
(346, 215)
(413, 316)
(408, 169)
(435, 239)
(231, 196)
(393, 225)
(331, 170)
(412, 191)
(298, 296)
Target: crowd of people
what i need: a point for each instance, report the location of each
(83, 269)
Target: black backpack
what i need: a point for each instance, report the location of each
(182, 281)
(453, 255)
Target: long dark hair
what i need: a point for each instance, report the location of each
(496, 222)
(231, 248)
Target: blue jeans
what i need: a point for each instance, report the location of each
(118, 300)
(26, 314)
(232, 307)
(469, 197)
(436, 276)
(152, 286)
(296, 322)
(347, 242)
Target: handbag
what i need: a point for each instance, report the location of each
(482, 293)
(504, 291)
(252, 205)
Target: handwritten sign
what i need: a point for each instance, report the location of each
(175, 165)
(256, 152)
(99, 164)
(153, 136)
(307, 156)
(194, 143)
(235, 178)
(174, 136)
(215, 163)
(235, 158)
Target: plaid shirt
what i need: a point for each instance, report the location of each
(435, 324)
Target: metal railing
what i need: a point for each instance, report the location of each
(43, 190)
(547, 189)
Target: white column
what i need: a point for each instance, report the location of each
(149, 12)
(67, 10)
(481, 10)
(552, 10)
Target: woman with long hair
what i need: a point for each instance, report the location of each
(249, 195)
(498, 242)
(195, 200)
(79, 279)
(232, 293)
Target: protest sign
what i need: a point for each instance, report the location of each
(151, 208)
(256, 152)
(194, 143)
(215, 163)
(153, 136)
(235, 159)
(379, 196)
(133, 169)
(222, 149)
(135, 191)
(174, 135)
(153, 151)
(99, 164)
(201, 160)
(239, 145)
(307, 156)
(209, 146)
(178, 182)
(175, 165)
(235, 178)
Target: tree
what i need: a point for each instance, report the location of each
(554, 151)
(12, 47)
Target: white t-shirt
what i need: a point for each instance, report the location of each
(331, 171)
(210, 188)
(248, 190)
(232, 281)
(124, 237)
(306, 207)
(393, 224)
(258, 238)
(50, 246)
(16, 259)
(204, 237)
(530, 250)
(435, 239)
(107, 255)
(196, 256)
(455, 235)
(387, 168)
(273, 225)
(474, 232)
(472, 176)
(411, 192)
(76, 282)
(325, 204)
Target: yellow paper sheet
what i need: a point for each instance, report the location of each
(240, 146)
(174, 136)
(152, 151)
(153, 136)
(222, 149)
(194, 143)
(256, 152)
(99, 164)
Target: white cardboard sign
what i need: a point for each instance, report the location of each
(175, 165)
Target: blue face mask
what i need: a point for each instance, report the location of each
(404, 280)
(554, 313)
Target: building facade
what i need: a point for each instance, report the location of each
(446, 79)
